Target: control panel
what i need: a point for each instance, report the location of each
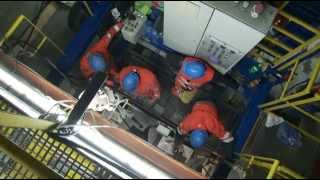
(218, 54)
(226, 40)
(133, 27)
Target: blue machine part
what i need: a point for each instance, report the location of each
(193, 69)
(249, 68)
(81, 40)
(97, 62)
(154, 37)
(198, 138)
(155, 13)
(255, 96)
(289, 136)
(130, 82)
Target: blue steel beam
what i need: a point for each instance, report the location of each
(256, 97)
(81, 40)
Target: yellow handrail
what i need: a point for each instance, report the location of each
(289, 34)
(278, 43)
(299, 21)
(313, 76)
(280, 62)
(268, 163)
(12, 29)
(289, 80)
(268, 50)
(16, 25)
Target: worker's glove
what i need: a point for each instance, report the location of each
(186, 84)
(227, 138)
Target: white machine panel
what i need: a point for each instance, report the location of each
(233, 32)
(226, 40)
(220, 32)
(184, 24)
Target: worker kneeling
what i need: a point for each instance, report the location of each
(192, 75)
(203, 120)
(140, 82)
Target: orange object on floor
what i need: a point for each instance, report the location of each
(148, 83)
(183, 82)
(204, 116)
(101, 47)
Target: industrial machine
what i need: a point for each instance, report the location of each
(101, 131)
(220, 32)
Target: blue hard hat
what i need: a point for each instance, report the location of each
(97, 62)
(198, 138)
(130, 82)
(193, 69)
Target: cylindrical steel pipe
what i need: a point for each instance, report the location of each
(18, 91)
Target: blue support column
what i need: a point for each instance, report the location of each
(256, 97)
(81, 40)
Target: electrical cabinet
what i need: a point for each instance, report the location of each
(184, 24)
(220, 32)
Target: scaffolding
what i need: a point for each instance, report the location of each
(272, 43)
(300, 100)
(290, 62)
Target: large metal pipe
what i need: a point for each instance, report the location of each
(22, 94)
(109, 143)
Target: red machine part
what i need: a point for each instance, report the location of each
(101, 47)
(183, 82)
(204, 116)
(148, 83)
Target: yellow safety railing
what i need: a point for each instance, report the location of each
(284, 98)
(304, 97)
(279, 59)
(17, 23)
(272, 165)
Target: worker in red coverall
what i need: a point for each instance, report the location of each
(192, 75)
(202, 120)
(97, 58)
(140, 82)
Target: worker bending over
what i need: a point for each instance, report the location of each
(140, 82)
(192, 75)
(202, 120)
(97, 58)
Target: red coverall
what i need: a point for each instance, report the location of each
(183, 82)
(148, 86)
(204, 116)
(101, 47)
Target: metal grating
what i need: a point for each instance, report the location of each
(55, 155)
